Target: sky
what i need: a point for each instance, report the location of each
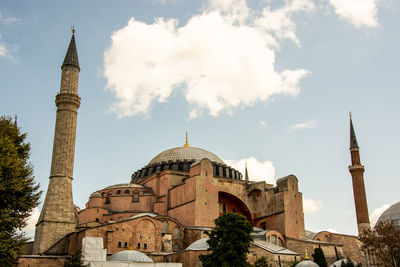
(270, 83)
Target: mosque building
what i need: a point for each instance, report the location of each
(166, 207)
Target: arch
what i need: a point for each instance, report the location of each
(145, 233)
(324, 236)
(164, 227)
(118, 192)
(127, 192)
(275, 237)
(233, 204)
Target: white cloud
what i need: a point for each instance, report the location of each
(223, 58)
(257, 170)
(311, 206)
(305, 125)
(376, 213)
(357, 12)
(3, 50)
(8, 19)
(262, 123)
(32, 220)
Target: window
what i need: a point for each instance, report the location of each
(138, 245)
(233, 210)
(176, 233)
(125, 244)
(127, 192)
(176, 248)
(135, 197)
(119, 192)
(119, 244)
(145, 245)
(165, 227)
(326, 238)
(223, 207)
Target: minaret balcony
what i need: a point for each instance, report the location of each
(356, 167)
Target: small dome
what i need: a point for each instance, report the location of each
(130, 255)
(391, 214)
(200, 244)
(124, 186)
(96, 195)
(185, 153)
(307, 263)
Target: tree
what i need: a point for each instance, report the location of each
(383, 242)
(319, 257)
(76, 260)
(18, 192)
(228, 242)
(261, 262)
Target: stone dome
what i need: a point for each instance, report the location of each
(96, 195)
(185, 153)
(200, 244)
(130, 255)
(307, 263)
(391, 214)
(180, 159)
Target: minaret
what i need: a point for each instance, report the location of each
(357, 174)
(246, 175)
(57, 217)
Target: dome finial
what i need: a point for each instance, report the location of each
(306, 257)
(73, 29)
(186, 143)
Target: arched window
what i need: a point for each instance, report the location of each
(176, 233)
(118, 192)
(135, 197)
(126, 192)
(273, 239)
(165, 227)
(176, 248)
(326, 238)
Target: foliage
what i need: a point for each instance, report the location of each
(76, 260)
(383, 241)
(228, 242)
(319, 257)
(261, 262)
(348, 263)
(18, 192)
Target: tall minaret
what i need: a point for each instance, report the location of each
(57, 217)
(357, 174)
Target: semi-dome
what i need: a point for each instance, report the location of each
(391, 214)
(185, 153)
(200, 244)
(130, 255)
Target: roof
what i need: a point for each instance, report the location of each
(130, 255)
(307, 263)
(124, 186)
(391, 214)
(143, 214)
(71, 57)
(274, 248)
(185, 153)
(200, 244)
(353, 139)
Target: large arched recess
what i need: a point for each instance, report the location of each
(231, 203)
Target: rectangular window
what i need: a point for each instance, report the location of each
(138, 245)
(125, 244)
(223, 207)
(144, 245)
(119, 244)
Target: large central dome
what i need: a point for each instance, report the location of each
(185, 153)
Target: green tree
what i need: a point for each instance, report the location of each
(319, 257)
(383, 242)
(76, 260)
(228, 242)
(261, 262)
(18, 192)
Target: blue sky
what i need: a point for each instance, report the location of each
(267, 82)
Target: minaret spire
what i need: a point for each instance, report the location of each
(357, 173)
(246, 174)
(57, 217)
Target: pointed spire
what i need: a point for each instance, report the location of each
(71, 57)
(353, 139)
(15, 121)
(246, 174)
(186, 143)
(306, 257)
